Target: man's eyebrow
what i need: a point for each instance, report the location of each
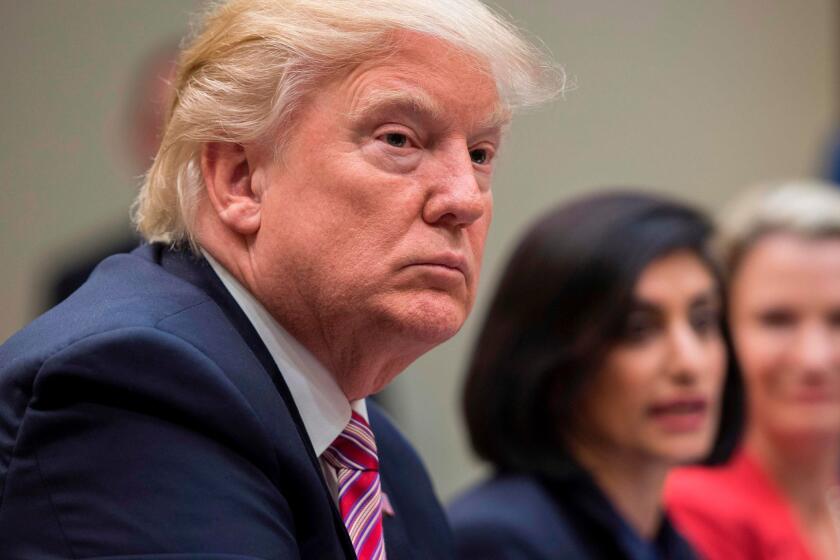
(420, 102)
(383, 99)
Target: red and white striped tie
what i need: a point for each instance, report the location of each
(353, 455)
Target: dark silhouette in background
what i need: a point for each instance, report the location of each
(832, 167)
(144, 112)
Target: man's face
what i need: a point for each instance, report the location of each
(374, 219)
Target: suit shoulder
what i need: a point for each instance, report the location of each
(140, 368)
(124, 291)
(511, 513)
(128, 332)
(114, 406)
(504, 502)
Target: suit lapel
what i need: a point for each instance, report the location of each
(197, 271)
(397, 543)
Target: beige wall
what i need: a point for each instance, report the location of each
(695, 98)
(65, 177)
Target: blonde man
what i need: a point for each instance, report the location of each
(316, 216)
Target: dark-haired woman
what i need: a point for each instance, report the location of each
(602, 363)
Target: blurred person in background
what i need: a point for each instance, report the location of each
(602, 363)
(315, 217)
(832, 160)
(145, 106)
(777, 498)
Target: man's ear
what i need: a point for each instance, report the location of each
(227, 177)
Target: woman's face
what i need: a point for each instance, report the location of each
(657, 396)
(785, 312)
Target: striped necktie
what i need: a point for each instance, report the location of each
(353, 456)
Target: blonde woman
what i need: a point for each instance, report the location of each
(774, 499)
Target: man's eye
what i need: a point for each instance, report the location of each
(396, 139)
(479, 156)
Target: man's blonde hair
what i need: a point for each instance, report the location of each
(806, 207)
(254, 62)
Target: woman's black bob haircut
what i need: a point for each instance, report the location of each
(560, 307)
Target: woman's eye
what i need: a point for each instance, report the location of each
(638, 333)
(777, 318)
(396, 139)
(705, 322)
(479, 156)
(639, 328)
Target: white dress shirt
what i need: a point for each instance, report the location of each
(322, 405)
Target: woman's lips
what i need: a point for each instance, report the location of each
(815, 395)
(680, 415)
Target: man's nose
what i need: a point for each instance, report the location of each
(455, 198)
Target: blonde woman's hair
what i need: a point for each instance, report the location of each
(806, 207)
(254, 62)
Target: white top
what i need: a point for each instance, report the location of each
(323, 407)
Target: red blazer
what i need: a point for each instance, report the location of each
(734, 512)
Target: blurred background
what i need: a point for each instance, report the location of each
(695, 99)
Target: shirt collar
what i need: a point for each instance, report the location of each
(322, 405)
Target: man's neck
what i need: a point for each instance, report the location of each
(360, 364)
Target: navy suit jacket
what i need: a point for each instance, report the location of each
(144, 418)
(522, 517)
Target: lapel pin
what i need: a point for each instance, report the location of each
(387, 508)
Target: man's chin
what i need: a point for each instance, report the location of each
(431, 320)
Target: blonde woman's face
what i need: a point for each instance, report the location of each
(785, 303)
